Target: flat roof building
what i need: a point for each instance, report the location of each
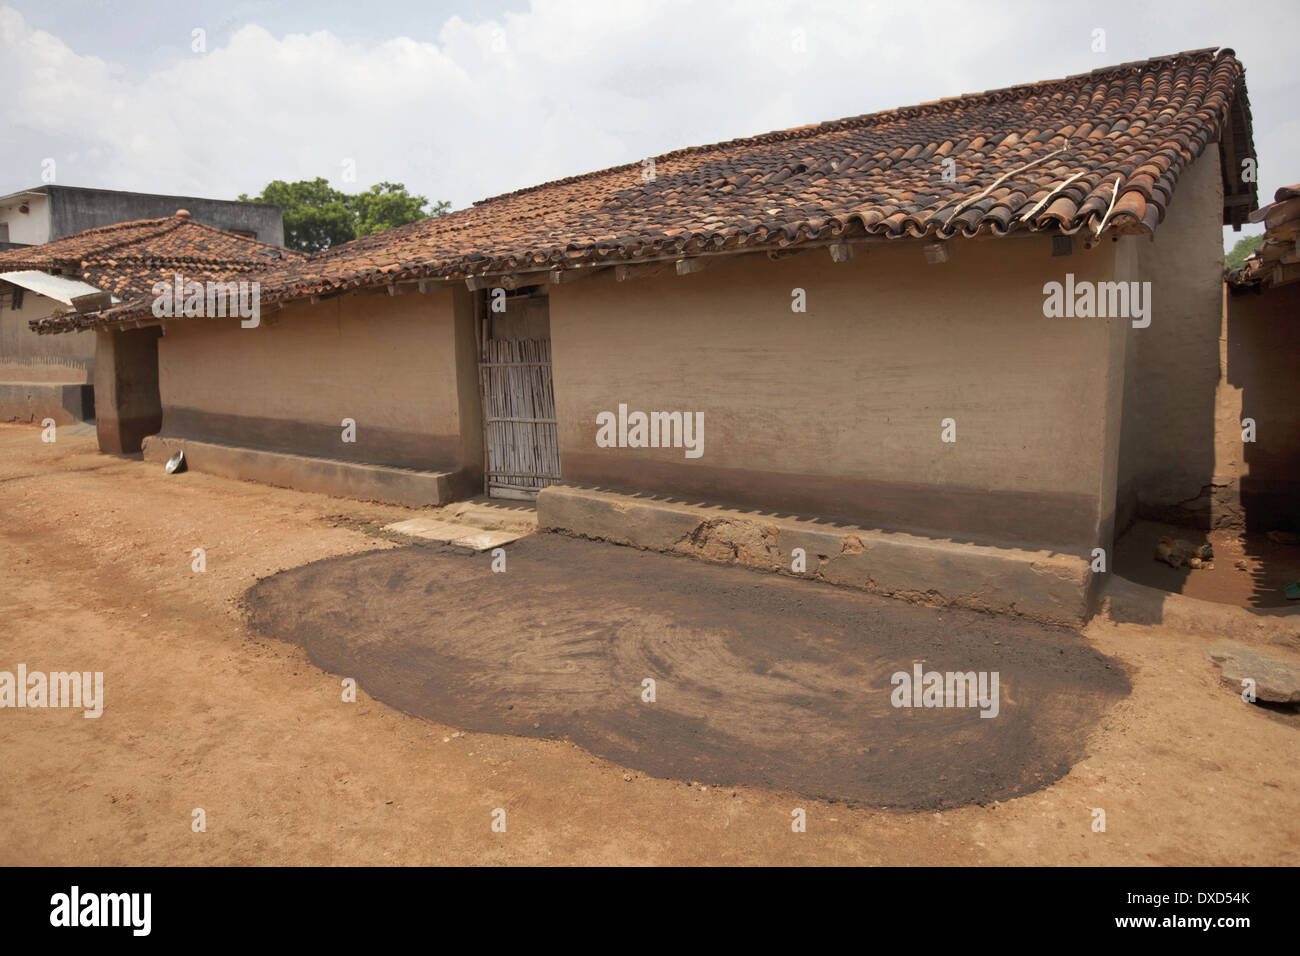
(45, 213)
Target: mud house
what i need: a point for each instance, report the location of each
(78, 276)
(1258, 483)
(53, 377)
(856, 313)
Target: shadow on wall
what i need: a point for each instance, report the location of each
(1173, 371)
(1251, 511)
(1264, 362)
(1263, 359)
(127, 403)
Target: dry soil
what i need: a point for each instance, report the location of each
(202, 711)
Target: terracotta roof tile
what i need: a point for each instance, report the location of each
(1043, 156)
(1276, 261)
(127, 258)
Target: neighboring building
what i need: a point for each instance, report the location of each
(43, 377)
(50, 378)
(1276, 260)
(861, 310)
(1259, 487)
(45, 213)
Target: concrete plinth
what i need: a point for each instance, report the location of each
(347, 479)
(1044, 586)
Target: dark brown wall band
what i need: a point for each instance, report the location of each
(1064, 522)
(374, 445)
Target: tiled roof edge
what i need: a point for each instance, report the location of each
(867, 119)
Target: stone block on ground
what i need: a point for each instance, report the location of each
(1276, 681)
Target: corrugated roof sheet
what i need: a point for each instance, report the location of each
(59, 288)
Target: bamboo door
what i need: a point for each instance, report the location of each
(520, 435)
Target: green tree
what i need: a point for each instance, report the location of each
(1242, 251)
(318, 216)
(385, 205)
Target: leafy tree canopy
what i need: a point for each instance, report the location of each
(1242, 250)
(385, 205)
(317, 216)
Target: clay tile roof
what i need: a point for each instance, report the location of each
(1276, 261)
(1100, 150)
(127, 258)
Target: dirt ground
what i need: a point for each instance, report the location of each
(1248, 570)
(203, 711)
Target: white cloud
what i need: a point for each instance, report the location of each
(561, 88)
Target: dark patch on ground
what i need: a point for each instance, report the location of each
(762, 680)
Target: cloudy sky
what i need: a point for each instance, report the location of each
(461, 101)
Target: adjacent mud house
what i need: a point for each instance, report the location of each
(80, 275)
(42, 378)
(859, 311)
(1259, 488)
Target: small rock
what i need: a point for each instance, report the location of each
(1276, 681)
(1241, 566)
(1178, 553)
(627, 776)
